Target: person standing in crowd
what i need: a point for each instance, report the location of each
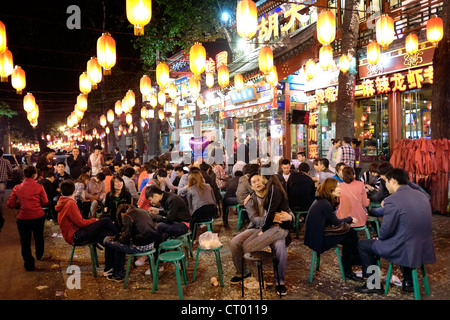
(332, 153)
(6, 171)
(96, 160)
(200, 198)
(406, 235)
(301, 156)
(117, 155)
(230, 199)
(346, 153)
(79, 231)
(50, 191)
(173, 220)
(322, 214)
(301, 189)
(129, 154)
(253, 238)
(353, 200)
(29, 197)
(355, 143)
(118, 195)
(46, 163)
(75, 162)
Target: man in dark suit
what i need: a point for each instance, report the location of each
(406, 236)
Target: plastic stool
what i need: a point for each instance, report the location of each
(208, 224)
(377, 223)
(148, 254)
(171, 244)
(187, 244)
(175, 257)
(94, 257)
(415, 278)
(297, 221)
(315, 254)
(240, 210)
(218, 262)
(260, 257)
(365, 229)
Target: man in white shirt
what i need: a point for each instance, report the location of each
(127, 177)
(96, 160)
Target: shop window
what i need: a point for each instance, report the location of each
(372, 128)
(393, 4)
(416, 113)
(326, 127)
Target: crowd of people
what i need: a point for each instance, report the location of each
(129, 206)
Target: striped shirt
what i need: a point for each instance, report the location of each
(346, 154)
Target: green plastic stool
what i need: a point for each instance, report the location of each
(377, 223)
(317, 255)
(415, 281)
(94, 257)
(176, 257)
(297, 221)
(218, 262)
(148, 254)
(208, 224)
(365, 229)
(187, 244)
(170, 244)
(240, 210)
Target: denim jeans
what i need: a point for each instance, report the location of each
(172, 230)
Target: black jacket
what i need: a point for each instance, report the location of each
(111, 204)
(231, 187)
(301, 191)
(49, 188)
(276, 203)
(175, 209)
(137, 228)
(75, 166)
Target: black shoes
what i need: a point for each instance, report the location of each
(365, 289)
(407, 286)
(281, 290)
(354, 277)
(236, 279)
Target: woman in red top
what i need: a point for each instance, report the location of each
(29, 197)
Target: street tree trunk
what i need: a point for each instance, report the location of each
(345, 106)
(440, 112)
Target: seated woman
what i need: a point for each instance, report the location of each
(80, 194)
(353, 198)
(321, 214)
(117, 196)
(253, 238)
(200, 198)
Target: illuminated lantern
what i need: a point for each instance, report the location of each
(385, 31)
(120, 128)
(110, 115)
(84, 83)
(344, 63)
(18, 79)
(94, 132)
(238, 81)
(130, 128)
(107, 130)
(265, 59)
(173, 108)
(143, 112)
(82, 102)
(6, 65)
(197, 58)
(135, 129)
(78, 114)
(184, 90)
(103, 120)
(199, 102)
(209, 79)
(161, 114)
(326, 57)
(186, 109)
(326, 27)
(125, 106)
(272, 77)
(246, 19)
(162, 74)
(119, 133)
(162, 97)
(411, 44)
(131, 98)
(118, 107)
(153, 100)
(223, 76)
(172, 90)
(2, 37)
(34, 113)
(94, 72)
(28, 102)
(310, 69)
(69, 122)
(34, 123)
(129, 118)
(139, 14)
(435, 30)
(145, 85)
(106, 53)
(194, 86)
(373, 52)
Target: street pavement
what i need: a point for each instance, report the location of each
(50, 282)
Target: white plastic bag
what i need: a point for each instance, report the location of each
(209, 240)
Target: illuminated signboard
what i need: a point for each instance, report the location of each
(243, 95)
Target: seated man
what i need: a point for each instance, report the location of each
(79, 231)
(138, 234)
(50, 190)
(322, 169)
(301, 189)
(174, 217)
(406, 236)
(229, 199)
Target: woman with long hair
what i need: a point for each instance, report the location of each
(117, 196)
(200, 198)
(322, 214)
(80, 194)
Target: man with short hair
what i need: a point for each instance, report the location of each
(406, 234)
(60, 174)
(128, 175)
(285, 172)
(346, 153)
(96, 160)
(6, 171)
(75, 162)
(301, 156)
(323, 170)
(117, 155)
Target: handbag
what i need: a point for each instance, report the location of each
(337, 230)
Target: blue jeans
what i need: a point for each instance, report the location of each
(172, 230)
